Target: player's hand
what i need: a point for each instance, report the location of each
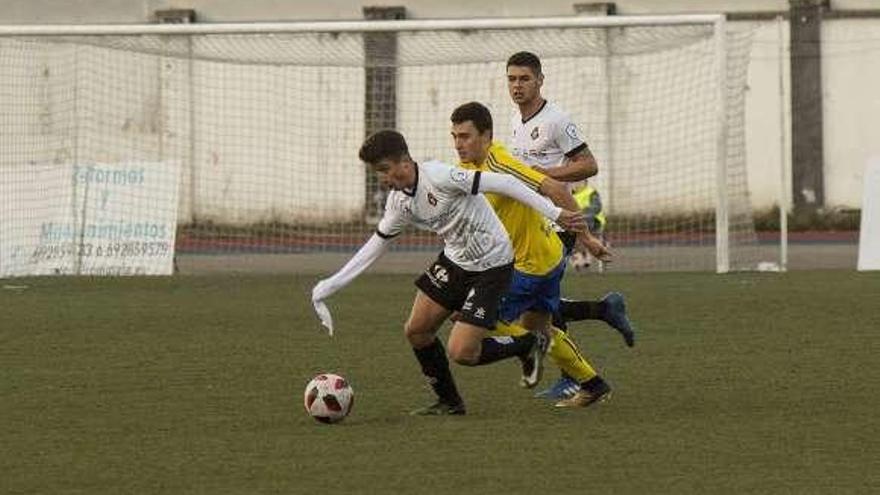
(573, 221)
(324, 315)
(594, 246)
(320, 292)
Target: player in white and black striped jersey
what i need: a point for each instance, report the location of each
(469, 276)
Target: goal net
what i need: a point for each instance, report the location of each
(123, 147)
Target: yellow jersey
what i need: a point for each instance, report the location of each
(537, 248)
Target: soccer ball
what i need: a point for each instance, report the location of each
(328, 398)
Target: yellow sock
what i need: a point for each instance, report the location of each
(565, 354)
(511, 329)
(563, 351)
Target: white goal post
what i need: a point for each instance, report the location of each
(124, 145)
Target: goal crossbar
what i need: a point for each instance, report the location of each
(357, 26)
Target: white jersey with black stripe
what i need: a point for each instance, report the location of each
(545, 138)
(446, 200)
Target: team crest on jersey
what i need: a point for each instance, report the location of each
(535, 133)
(457, 175)
(572, 131)
(432, 199)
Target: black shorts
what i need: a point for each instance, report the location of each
(476, 295)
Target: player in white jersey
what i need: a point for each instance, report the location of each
(469, 276)
(544, 137)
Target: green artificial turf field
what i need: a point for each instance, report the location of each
(743, 383)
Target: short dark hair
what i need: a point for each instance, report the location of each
(476, 113)
(525, 59)
(383, 144)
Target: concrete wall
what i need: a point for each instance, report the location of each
(851, 74)
(851, 78)
(96, 11)
(128, 11)
(277, 140)
(765, 101)
(851, 109)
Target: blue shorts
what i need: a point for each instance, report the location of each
(532, 293)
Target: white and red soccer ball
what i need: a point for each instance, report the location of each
(328, 398)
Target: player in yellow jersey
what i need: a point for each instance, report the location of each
(534, 294)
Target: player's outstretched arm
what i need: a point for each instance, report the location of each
(366, 256)
(509, 186)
